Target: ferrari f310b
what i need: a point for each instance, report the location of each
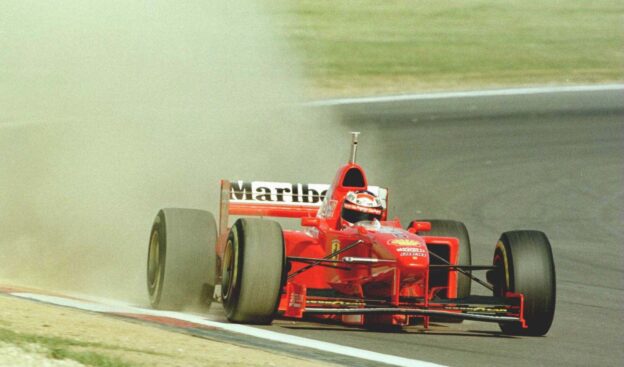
(348, 263)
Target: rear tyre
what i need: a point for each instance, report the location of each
(253, 268)
(181, 264)
(451, 228)
(526, 266)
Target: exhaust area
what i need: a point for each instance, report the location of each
(111, 111)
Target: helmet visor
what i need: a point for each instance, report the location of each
(354, 213)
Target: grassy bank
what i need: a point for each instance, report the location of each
(63, 349)
(61, 334)
(367, 46)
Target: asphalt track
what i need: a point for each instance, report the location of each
(552, 162)
(547, 161)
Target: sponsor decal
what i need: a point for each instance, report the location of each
(362, 209)
(396, 232)
(296, 295)
(403, 242)
(276, 192)
(296, 300)
(412, 251)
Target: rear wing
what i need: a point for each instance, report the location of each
(275, 199)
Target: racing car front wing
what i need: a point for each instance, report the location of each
(412, 312)
(508, 309)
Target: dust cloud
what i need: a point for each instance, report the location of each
(110, 111)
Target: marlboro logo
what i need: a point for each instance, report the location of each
(275, 192)
(264, 192)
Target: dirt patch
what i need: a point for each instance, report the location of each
(132, 343)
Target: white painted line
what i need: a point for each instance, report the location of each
(81, 304)
(467, 94)
(236, 328)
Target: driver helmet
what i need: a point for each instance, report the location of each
(360, 206)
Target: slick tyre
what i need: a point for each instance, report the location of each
(451, 228)
(252, 271)
(181, 264)
(525, 263)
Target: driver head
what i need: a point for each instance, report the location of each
(360, 206)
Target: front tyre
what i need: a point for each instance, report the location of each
(253, 268)
(526, 266)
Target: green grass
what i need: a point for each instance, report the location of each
(88, 358)
(418, 44)
(62, 348)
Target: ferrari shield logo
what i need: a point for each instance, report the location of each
(335, 246)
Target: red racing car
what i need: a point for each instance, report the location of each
(348, 262)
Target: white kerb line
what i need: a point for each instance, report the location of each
(236, 328)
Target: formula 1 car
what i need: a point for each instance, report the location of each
(347, 264)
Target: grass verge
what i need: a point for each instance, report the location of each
(403, 45)
(62, 348)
